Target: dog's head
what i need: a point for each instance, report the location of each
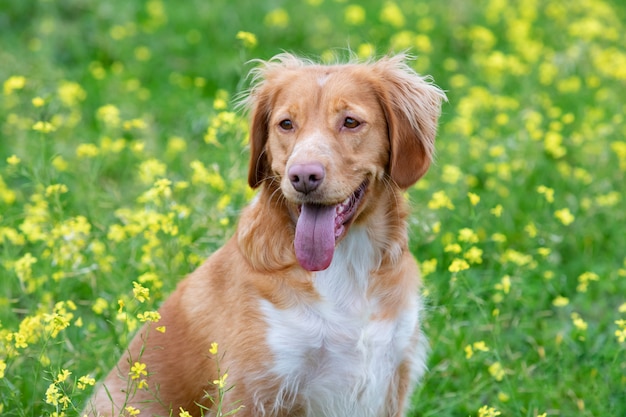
(331, 134)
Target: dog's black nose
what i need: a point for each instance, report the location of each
(305, 178)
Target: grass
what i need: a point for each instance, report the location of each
(121, 161)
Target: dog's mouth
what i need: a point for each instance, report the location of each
(319, 227)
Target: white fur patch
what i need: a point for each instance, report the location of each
(332, 356)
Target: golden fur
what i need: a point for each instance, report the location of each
(302, 114)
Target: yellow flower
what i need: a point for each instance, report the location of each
(213, 350)
(469, 352)
(87, 150)
(474, 198)
(468, 235)
(458, 265)
(547, 192)
(53, 395)
(3, 367)
(504, 285)
(584, 279)
(451, 174)
(143, 53)
(354, 15)
(71, 93)
(109, 115)
(15, 82)
(453, 248)
(137, 370)
(440, 200)
(578, 322)
(132, 411)
(13, 160)
(151, 316)
(278, 18)
(560, 301)
(44, 127)
(497, 210)
(85, 381)
(140, 292)
(56, 189)
(486, 411)
(183, 413)
(474, 255)
(38, 101)
(565, 216)
(428, 267)
(247, 39)
(496, 371)
(221, 383)
(59, 163)
(62, 376)
(392, 14)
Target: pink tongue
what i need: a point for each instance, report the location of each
(315, 236)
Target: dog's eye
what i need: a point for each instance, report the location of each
(351, 123)
(286, 124)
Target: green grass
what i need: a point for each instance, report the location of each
(534, 127)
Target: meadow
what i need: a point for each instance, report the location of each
(123, 166)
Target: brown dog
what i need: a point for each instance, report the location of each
(315, 300)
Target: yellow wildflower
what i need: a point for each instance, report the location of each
(474, 255)
(354, 15)
(468, 235)
(584, 279)
(62, 376)
(142, 53)
(140, 292)
(440, 200)
(560, 301)
(213, 349)
(458, 265)
(85, 381)
(565, 216)
(132, 411)
(13, 160)
(278, 18)
(38, 101)
(486, 411)
(474, 198)
(87, 150)
(496, 371)
(497, 210)
(53, 395)
(547, 192)
(71, 93)
(248, 39)
(221, 382)
(137, 370)
(392, 14)
(44, 127)
(109, 115)
(15, 82)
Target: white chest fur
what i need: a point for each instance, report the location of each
(333, 356)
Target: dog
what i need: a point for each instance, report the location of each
(315, 301)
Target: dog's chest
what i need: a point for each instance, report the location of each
(334, 358)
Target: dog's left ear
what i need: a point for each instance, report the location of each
(412, 105)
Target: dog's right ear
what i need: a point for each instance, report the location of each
(259, 168)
